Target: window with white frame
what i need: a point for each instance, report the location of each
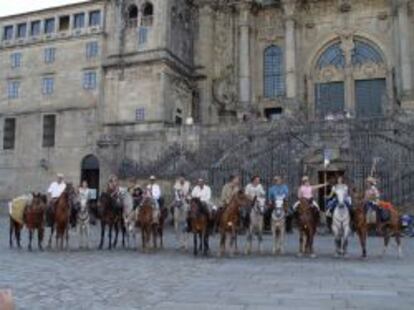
(274, 77)
(35, 28)
(49, 55)
(21, 30)
(92, 49)
(89, 80)
(13, 89)
(48, 85)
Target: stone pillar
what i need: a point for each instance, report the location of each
(205, 59)
(404, 37)
(244, 57)
(290, 48)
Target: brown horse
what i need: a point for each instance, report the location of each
(34, 219)
(199, 218)
(360, 222)
(308, 218)
(149, 227)
(61, 216)
(229, 222)
(110, 215)
(390, 227)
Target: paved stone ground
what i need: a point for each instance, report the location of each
(171, 279)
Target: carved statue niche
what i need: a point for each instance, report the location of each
(225, 90)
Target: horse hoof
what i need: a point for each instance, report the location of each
(299, 255)
(313, 255)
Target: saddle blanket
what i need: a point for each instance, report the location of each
(17, 206)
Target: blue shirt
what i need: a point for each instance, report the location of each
(277, 191)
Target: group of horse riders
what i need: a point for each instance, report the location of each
(255, 190)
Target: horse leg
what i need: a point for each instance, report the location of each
(274, 235)
(195, 250)
(67, 236)
(161, 235)
(154, 236)
(18, 229)
(398, 241)
(206, 245)
(260, 237)
(337, 241)
(249, 241)
(386, 240)
(301, 243)
(79, 229)
(40, 233)
(222, 243)
(102, 235)
(110, 236)
(310, 243)
(11, 231)
(49, 244)
(87, 235)
(30, 239)
(282, 233)
(116, 228)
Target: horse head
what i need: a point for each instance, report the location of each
(279, 208)
(195, 207)
(341, 196)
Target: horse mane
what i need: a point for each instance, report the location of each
(200, 206)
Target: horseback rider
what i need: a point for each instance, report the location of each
(54, 191)
(255, 191)
(229, 189)
(154, 192)
(277, 190)
(372, 200)
(203, 192)
(339, 188)
(137, 195)
(113, 186)
(306, 191)
(181, 189)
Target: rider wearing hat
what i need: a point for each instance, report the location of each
(154, 192)
(278, 189)
(54, 191)
(338, 188)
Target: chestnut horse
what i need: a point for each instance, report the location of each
(199, 218)
(229, 222)
(67, 202)
(308, 218)
(150, 228)
(34, 218)
(391, 227)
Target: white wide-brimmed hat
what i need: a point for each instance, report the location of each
(305, 178)
(152, 177)
(60, 175)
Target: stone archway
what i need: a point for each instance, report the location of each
(90, 172)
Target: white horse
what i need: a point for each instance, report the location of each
(82, 222)
(180, 212)
(341, 224)
(129, 215)
(256, 225)
(279, 225)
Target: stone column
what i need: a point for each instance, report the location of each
(205, 58)
(404, 37)
(290, 48)
(244, 57)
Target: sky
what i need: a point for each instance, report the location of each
(10, 7)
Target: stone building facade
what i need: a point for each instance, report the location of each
(84, 87)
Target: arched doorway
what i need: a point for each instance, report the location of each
(90, 173)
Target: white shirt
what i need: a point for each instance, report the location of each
(181, 190)
(56, 189)
(154, 191)
(255, 191)
(204, 194)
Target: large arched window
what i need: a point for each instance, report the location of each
(354, 65)
(274, 77)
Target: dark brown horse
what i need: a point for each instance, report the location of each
(199, 217)
(110, 214)
(34, 219)
(62, 209)
(229, 222)
(360, 222)
(150, 227)
(308, 218)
